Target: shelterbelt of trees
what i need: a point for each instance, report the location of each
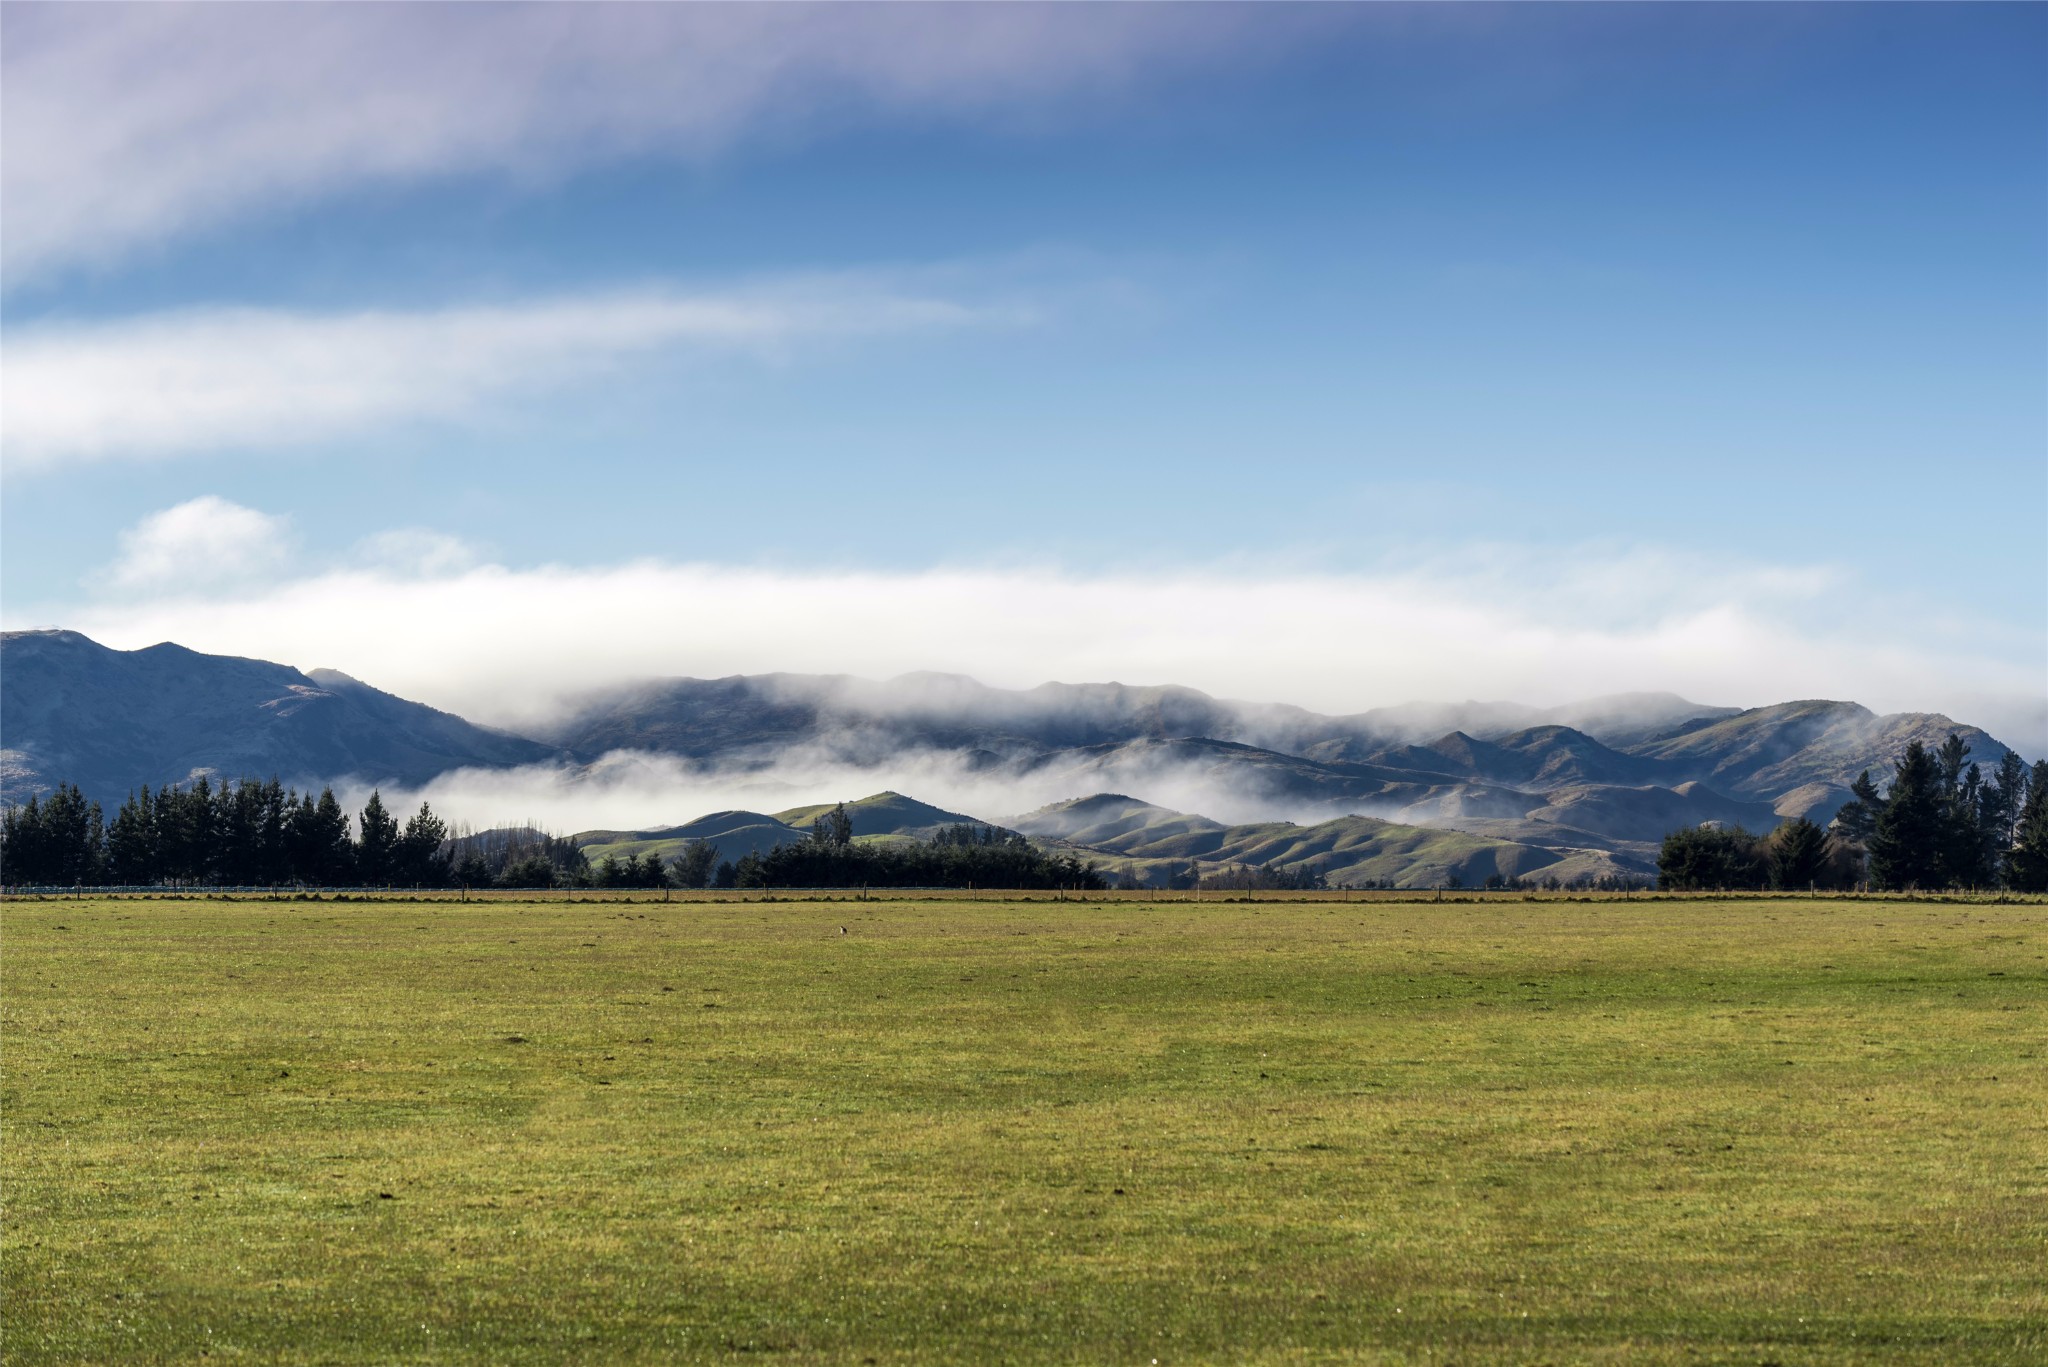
(250, 834)
(261, 834)
(1941, 824)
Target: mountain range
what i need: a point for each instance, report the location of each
(1586, 787)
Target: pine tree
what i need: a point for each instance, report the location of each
(1964, 858)
(2005, 797)
(418, 860)
(376, 842)
(833, 829)
(330, 855)
(2027, 867)
(1857, 818)
(131, 841)
(694, 868)
(1906, 844)
(1798, 853)
(22, 859)
(59, 840)
(186, 844)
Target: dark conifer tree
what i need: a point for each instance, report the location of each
(131, 841)
(1906, 845)
(747, 872)
(1798, 854)
(328, 851)
(2027, 866)
(57, 841)
(376, 842)
(2005, 797)
(1964, 856)
(694, 867)
(185, 833)
(418, 861)
(1857, 818)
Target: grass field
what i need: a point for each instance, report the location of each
(1619, 1131)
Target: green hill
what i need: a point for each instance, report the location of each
(732, 833)
(884, 813)
(1155, 845)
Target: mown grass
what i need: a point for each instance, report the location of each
(1769, 1130)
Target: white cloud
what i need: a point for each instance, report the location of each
(127, 125)
(203, 543)
(174, 383)
(635, 790)
(417, 551)
(500, 644)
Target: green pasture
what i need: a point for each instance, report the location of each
(1643, 1131)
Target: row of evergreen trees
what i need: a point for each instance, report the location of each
(262, 834)
(249, 834)
(1940, 824)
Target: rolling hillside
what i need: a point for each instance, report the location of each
(883, 814)
(1766, 752)
(1155, 845)
(732, 833)
(72, 710)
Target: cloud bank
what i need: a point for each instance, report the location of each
(502, 645)
(130, 125)
(635, 790)
(207, 379)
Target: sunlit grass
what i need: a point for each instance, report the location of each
(1802, 1131)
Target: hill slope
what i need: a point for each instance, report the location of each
(72, 710)
(883, 814)
(1155, 845)
(1767, 752)
(732, 833)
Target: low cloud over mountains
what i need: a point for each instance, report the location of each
(1590, 786)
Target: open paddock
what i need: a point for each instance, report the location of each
(955, 1128)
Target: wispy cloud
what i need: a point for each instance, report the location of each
(130, 125)
(201, 380)
(203, 543)
(487, 641)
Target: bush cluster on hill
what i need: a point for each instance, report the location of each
(1941, 824)
(964, 856)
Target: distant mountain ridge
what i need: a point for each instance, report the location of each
(74, 711)
(857, 719)
(1599, 781)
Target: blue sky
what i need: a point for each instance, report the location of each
(1539, 349)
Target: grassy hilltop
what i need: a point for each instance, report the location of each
(979, 1131)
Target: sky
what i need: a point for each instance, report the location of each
(1333, 355)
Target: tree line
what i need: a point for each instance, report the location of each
(1941, 823)
(263, 834)
(247, 834)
